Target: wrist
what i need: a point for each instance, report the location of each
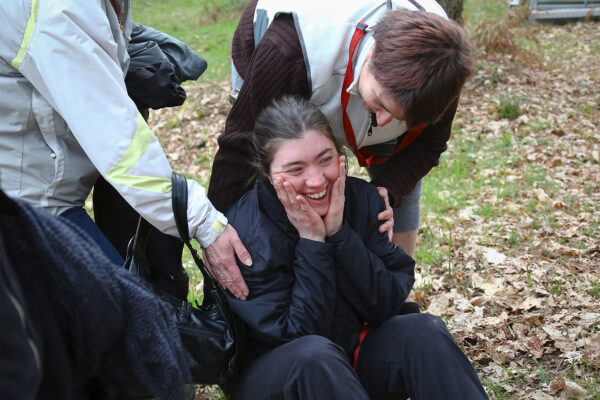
(341, 235)
(313, 237)
(334, 230)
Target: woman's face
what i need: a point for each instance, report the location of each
(310, 165)
(375, 98)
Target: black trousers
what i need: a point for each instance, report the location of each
(415, 356)
(311, 368)
(409, 355)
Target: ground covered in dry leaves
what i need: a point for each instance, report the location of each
(518, 228)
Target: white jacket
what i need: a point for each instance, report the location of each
(325, 30)
(65, 115)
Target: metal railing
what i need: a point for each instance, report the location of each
(563, 9)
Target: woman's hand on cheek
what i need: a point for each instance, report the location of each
(335, 214)
(308, 223)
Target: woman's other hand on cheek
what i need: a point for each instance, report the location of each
(335, 214)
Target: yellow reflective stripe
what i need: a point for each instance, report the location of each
(147, 183)
(217, 226)
(29, 28)
(138, 146)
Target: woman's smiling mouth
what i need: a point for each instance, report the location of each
(316, 196)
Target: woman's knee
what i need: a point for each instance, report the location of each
(430, 323)
(420, 331)
(320, 369)
(313, 368)
(314, 350)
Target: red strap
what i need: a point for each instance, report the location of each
(365, 158)
(116, 9)
(366, 328)
(348, 78)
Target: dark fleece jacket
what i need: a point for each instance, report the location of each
(98, 331)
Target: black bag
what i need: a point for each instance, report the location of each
(211, 334)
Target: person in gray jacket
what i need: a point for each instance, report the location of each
(66, 118)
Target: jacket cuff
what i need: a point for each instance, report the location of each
(313, 244)
(340, 236)
(211, 228)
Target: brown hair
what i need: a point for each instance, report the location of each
(423, 60)
(288, 117)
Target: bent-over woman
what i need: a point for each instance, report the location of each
(326, 313)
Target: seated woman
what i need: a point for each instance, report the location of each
(327, 289)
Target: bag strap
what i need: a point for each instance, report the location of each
(180, 199)
(136, 260)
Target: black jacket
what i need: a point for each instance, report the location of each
(158, 65)
(301, 287)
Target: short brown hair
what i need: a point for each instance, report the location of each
(423, 60)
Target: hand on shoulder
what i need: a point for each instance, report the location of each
(219, 258)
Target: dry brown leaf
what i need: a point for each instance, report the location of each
(440, 305)
(493, 256)
(532, 319)
(492, 285)
(565, 344)
(535, 347)
(538, 395)
(557, 385)
(480, 300)
(502, 354)
(528, 304)
(574, 390)
(592, 351)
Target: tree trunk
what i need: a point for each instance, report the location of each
(453, 8)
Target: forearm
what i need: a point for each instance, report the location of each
(377, 289)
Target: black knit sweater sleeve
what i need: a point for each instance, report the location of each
(275, 68)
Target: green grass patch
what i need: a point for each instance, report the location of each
(448, 185)
(514, 238)
(556, 287)
(206, 26)
(510, 106)
(497, 390)
(196, 282)
(588, 108)
(429, 251)
(426, 287)
(476, 11)
(488, 210)
(594, 290)
(544, 375)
